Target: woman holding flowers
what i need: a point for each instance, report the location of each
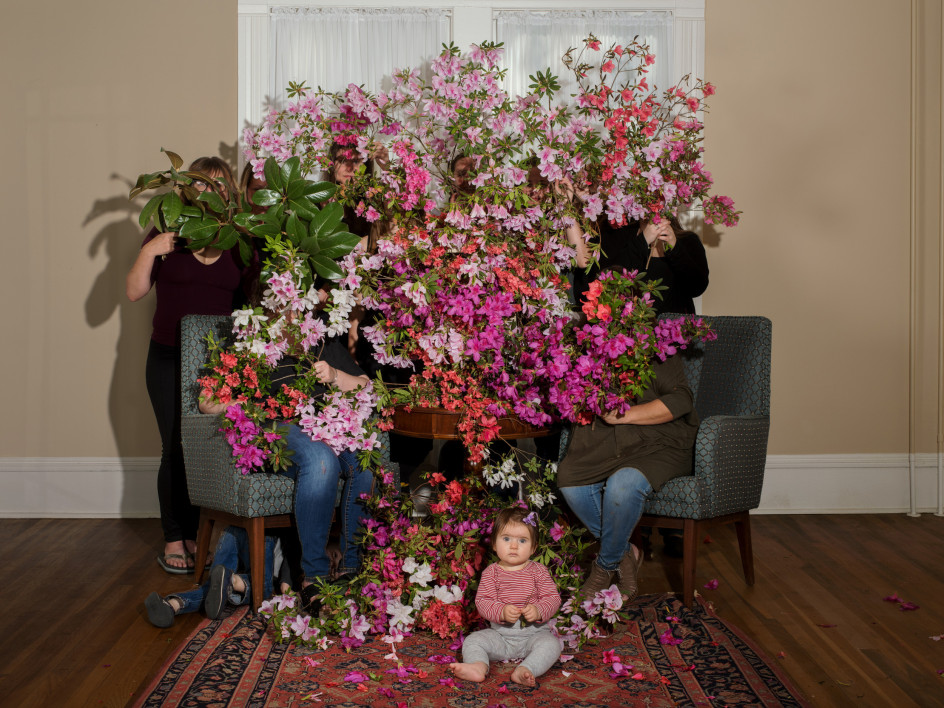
(615, 462)
(317, 469)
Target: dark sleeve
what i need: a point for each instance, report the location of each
(671, 387)
(156, 266)
(689, 265)
(337, 355)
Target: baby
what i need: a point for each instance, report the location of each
(518, 597)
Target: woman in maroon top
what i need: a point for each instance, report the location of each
(205, 282)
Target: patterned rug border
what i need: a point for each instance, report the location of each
(779, 672)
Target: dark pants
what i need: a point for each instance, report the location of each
(179, 518)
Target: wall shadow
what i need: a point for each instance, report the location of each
(129, 409)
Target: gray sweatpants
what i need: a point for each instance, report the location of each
(535, 644)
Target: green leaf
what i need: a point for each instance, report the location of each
(245, 250)
(171, 206)
(318, 191)
(243, 219)
(213, 200)
(228, 238)
(328, 220)
(148, 211)
(263, 230)
(273, 175)
(337, 245)
(191, 211)
(200, 230)
(266, 197)
(295, 229)
(304, 208)
(326, 267)
(291, 172)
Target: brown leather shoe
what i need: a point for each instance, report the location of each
(628, 572)
(598, 580)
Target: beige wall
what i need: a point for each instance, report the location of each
(91, 92)
(809, 133)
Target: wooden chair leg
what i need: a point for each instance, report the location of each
(204, 534)
(689, 560)
(256, 531)
(743, 529)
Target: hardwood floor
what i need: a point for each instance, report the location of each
(73, 630)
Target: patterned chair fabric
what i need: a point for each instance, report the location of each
(731, 380)
(213, 480)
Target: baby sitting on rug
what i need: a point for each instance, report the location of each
(518, 597)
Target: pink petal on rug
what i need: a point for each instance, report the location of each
(638, 677)
(781, 654)
(356, 677)
(312, 662)
(440, 659)
(386, 692)
(503, 689)
(361, 687)
(892, 598)
(667, 638)
(565, 658)
(937, 637)
(711, 584)
(448, 681)
(908, 606)
(565, 674)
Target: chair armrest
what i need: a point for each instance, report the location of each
(730, 459)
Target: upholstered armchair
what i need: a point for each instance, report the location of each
(730, 377)
(257, 501)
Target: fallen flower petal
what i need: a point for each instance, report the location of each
(638, 677)
(361, 687)
(826, 626)
(893, 598)
(937, 637)
(448, 681)
(908, 606)
(565, 674)
(503, 689)
(667, 638)
(386, 692)
(781, 655)
(711, 584)
(707, 539)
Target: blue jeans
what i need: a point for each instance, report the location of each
(232, 551)
(317, 471)
(610, 510)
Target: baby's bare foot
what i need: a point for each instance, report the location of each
(523, 676)
(471, 672)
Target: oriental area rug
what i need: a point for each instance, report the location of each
(666, 655)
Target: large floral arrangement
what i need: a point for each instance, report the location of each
(468, 279)
(422, 573)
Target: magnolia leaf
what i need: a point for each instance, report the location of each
(175, 159)
(315, 191)
(328, 220)
(200, 230)
(326, 267)
(266, 197)
(243, 219)
(273, 175)
(291, 172)
(171, 206)
(213, 200)
(245, 249)
(189, 211)
(228, 238)
(304, 208)
(337, 245)
(295, 229)
(264, 229)
(148, 211)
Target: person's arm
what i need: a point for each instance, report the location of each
(138, 282)
(549, 599)
(671, 398)
(486, 597)
(328, 374)
(575, 238)
(212, 406)
(651, 413)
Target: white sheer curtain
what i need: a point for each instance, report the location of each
(334, 47)
(535, 41)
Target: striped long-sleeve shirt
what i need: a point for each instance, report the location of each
(532, 585)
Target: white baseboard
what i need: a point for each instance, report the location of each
(82, 487)
(108, 487)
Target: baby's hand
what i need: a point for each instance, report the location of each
(531, 613)
(510, 614)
